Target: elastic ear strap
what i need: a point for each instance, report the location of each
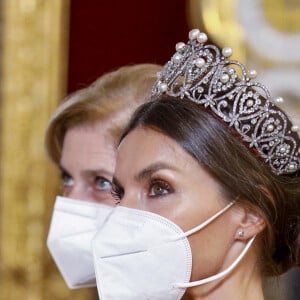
(219, 275)
(204, 224)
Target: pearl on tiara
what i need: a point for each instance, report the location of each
(177, 57)
(202, 37)
(292, 167)
(199, 62)
(193, 34)
(180, 47)
(279, 100)
(203, 74)
(252, 74)
(163, 87)
(270, 128)
(250, 103)
(227, 51)
(224, 78)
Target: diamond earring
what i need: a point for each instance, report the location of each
(241, 233)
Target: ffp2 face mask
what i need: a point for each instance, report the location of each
(74, 224)
(140, 255)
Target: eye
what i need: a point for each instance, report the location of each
(159, 188)
(117, 193)
(66, 179)
(102, 184)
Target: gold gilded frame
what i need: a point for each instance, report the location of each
(219, 20)
(34, 63)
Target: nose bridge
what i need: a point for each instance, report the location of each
(130, 200)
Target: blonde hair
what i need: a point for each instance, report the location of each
(110, 99)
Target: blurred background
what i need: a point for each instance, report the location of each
(51, 48)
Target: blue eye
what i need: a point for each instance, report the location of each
(159, 188)
(103, 184)
(67, 179)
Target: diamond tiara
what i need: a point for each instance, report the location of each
(203, 74)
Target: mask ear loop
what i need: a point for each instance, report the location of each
(219, 275)
(202, 225)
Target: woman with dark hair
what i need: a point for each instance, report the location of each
(207, 177)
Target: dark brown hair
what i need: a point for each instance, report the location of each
(212, 144)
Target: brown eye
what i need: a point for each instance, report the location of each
(159, 188)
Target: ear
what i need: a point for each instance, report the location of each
(250, 224)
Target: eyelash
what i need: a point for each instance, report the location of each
(64, 177)
(117, 193)
(162, 185)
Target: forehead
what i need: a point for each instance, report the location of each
(143, 138)
(88, 144)
(94, 133)
(145, 146)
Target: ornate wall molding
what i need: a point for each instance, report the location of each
(218, 19)
(33, 82)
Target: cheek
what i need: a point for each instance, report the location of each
(104, 198)
(169, 207)
(66, 191)
(210, 247)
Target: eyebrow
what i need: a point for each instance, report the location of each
(146, 173)
(89, 172)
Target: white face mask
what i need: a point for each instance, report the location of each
(73, 226)
(140, 255)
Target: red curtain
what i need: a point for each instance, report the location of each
(105, 35)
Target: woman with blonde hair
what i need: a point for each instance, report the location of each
(81, 140)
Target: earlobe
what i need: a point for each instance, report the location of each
(250, 225)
